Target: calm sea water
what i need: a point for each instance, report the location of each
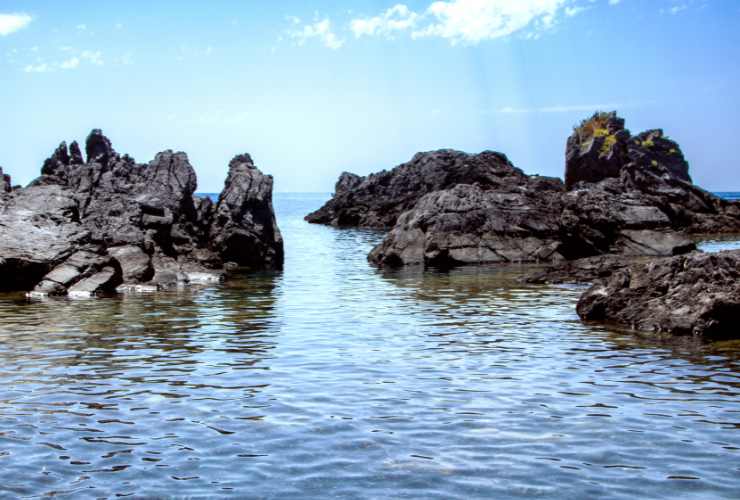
(334, 380)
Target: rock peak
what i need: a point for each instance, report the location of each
(601, 148)
(5, 183)
(98, 147)
(242, 159)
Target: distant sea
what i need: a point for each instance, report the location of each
(728, 195)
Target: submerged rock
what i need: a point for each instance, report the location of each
(692, 295)
(92, 227)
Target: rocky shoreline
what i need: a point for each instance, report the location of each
(626, 200)
(108, 224)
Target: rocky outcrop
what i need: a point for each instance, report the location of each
(376, 201)
(624, 195)
(5, 183)
(692, 295)
(515, 221)
(601, 147)
(90, 227)
(244, 229)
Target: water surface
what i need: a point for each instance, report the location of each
(332, 379)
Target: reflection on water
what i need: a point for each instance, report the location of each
(334, 379)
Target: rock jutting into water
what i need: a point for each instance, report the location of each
(110, 223)
(624, 195)
(376, 201)
(690, 295)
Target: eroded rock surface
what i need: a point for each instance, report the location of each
(628, 196)
(5, 183)
(515, 221)
(690, 295)
(90, 227)
(244, 229)
(376, 201)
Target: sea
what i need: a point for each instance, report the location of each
(332, 379)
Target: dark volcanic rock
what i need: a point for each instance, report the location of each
(98, 148)
(585, 270)
(86, 228)
(692, 295)
(244, 230)
(5, 183)
(377, 200)
(517, 221)
(629, 196)
(597, 149)
(601, 147)
(39, 229)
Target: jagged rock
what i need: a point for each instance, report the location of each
(691, 295)
(62, 232)
(597, 149)
(600, 147)
(376, 201)
(6, 185)
(516, 222)
(626, 195)
(98, 147)
(75, 155)
(244, 229)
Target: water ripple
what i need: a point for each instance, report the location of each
(335, 379)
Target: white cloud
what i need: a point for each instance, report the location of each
(93, 57)
(469, 21)
(320, 29)
(397, 18)
(472, 21)
(10, 23)
(38, 68)
(71, 63)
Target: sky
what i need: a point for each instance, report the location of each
(311, 89)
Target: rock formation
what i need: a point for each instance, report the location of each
(690, 295)
(89, 227)
(244, 228)
(5, 183)
(513, 221)
(600, 147)
(377, 200)
(624, 195)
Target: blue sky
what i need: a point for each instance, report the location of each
(314, 88)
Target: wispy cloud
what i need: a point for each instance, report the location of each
(394, 20)
(469, 21)
(10, 23)
(320, 29)
(74, 59)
